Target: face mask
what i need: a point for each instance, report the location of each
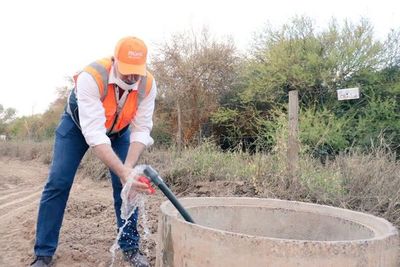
(123, 85)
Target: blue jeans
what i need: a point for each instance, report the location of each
(69, 149)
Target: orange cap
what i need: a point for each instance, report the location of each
(131, 54)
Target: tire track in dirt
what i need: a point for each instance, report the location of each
(22, 183)
(9, 190)
(18, 203)
(15, 193)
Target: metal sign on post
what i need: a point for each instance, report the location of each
(348, 93)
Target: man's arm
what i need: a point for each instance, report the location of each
(141, 127)
(135, 150)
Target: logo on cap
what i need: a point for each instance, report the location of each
(135, 54)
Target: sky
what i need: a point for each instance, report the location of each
(45, 41)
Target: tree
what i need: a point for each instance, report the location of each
(391, 50)
(192, 71)
(296, 57)
(6, 116)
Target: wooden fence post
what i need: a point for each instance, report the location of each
(293, 139)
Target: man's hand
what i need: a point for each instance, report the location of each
(137, 185)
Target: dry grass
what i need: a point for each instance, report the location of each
(27, 150)
(368, 182)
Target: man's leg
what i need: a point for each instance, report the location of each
(130, 237)
(69, 148)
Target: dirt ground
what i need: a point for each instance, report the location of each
(88, 229)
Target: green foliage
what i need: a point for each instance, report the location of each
(6, 115)
(246, 128)
(39, 127)
(272, 131)
(380, 118)
(316, 63)
(390, 53)
(321, 132)
(161, 135)
(207, 162)
(376, 114)
(296, 57)
(226, 120)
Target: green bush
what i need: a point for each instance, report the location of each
(380, 118)
(321, 132)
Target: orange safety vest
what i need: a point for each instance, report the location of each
(115, 122)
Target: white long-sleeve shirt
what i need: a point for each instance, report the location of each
(92, 116)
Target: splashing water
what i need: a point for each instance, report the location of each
(131, 200)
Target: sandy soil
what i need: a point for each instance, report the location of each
(88, 229)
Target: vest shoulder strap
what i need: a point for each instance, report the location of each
(100, 70)
(145, 87)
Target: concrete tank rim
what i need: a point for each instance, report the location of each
(169, 210)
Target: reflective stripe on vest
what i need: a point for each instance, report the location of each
(100, 70)
(104, 72)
